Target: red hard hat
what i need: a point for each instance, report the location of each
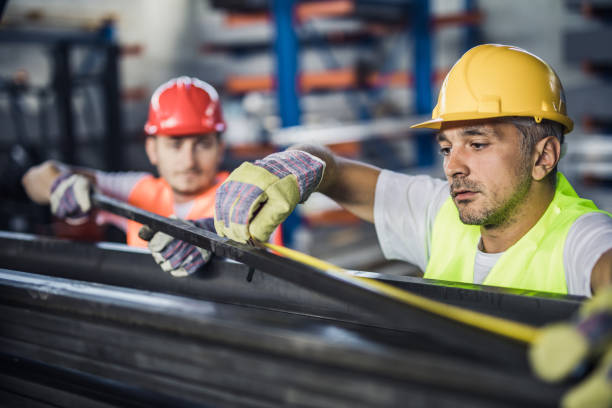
(184, 106)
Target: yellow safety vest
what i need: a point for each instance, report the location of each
(535, 262)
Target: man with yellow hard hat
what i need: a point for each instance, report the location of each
(504, 216)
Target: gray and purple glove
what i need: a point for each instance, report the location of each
(177, 257)
(70, 197)
(258, 196)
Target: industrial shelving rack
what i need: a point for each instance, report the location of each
(590, 153)
(354, 22)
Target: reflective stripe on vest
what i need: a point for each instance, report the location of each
(535, 262)
(155, 195)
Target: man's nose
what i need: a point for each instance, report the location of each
(455, 163)
(187, 155)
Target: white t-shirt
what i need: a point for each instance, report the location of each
(405, 208)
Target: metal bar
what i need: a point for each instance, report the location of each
(504, 327)
(15, 94)
(348, 132)
(113, 153)
(151, 340)
(288, 100)
(2, 7)
(334, 285)
(472, 31)
(422, 61)
(228, 281)
(63, 91)
(62, 384)
(43, 115)
(285, 45)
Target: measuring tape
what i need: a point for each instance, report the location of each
(514, 330)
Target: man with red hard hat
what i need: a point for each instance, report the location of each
(184, 143)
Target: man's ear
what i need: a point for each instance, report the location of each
(546, 155)
(151, 149)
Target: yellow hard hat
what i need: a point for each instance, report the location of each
(492, 80)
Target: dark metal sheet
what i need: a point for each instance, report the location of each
(38, 384)
(196, 350)
(227, 281)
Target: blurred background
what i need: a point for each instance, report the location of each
(76, 77)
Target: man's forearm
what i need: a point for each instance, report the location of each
(601, 276)
(38, 180)
(350, 183)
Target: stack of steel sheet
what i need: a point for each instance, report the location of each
(101, 325)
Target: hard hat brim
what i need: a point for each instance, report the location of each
(428, 124)
(436, 124)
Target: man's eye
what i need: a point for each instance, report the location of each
(479, 146)
(445, 151)
(205, 144)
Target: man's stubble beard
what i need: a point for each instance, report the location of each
(497, 213)
(199, 188)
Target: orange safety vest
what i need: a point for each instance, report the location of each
(155, 195)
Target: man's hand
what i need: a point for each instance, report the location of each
(566, 349)
(175, 256)
(37, 181)
(70, 197)
(258, 196)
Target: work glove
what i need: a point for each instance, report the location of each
(566, 349)
(258, 196)
(70, 197)
(177, 257)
